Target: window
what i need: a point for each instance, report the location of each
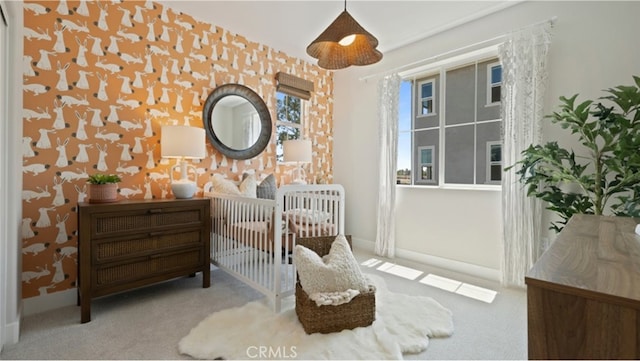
(427, 97)
(494, 84)
(494, 165)
(289, 122)
(426, 164)
(451, 137)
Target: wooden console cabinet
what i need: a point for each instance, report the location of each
(583, 295)
(129, 244)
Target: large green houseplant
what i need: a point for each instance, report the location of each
(602, 177)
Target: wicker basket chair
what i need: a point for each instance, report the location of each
(359, 312)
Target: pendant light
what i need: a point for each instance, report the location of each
(344, 43)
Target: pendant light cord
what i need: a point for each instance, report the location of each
(345, 5)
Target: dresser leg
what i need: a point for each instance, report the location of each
(206, 277)
(85, 311)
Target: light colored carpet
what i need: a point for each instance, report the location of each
(148, 323)
(403, 325)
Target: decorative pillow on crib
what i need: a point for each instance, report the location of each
(267, 188)
(247, 187)
(338, 273)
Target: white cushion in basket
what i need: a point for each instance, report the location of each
(339, 272)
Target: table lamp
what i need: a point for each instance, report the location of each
(297, 151)
(183, 142)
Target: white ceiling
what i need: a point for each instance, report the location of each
(290, 26)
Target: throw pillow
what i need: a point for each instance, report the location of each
(340, 273)
(247, 188)
(267, 188)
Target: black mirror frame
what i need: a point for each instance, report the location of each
(265, 120)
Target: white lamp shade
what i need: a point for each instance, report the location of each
(297, 150)
(178, 141)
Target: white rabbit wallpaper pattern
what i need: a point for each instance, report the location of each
(100, 80)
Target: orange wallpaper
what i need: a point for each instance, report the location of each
(100, 79)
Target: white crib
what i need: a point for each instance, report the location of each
(253, 238)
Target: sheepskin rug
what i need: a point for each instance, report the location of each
(403, 324)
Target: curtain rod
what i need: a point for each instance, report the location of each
(496, 39)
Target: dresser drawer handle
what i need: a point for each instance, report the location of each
(155, 234)
(155, 210)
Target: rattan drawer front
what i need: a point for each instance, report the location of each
(113, 224)
(140, 269)
(135, 243)
(114, 249)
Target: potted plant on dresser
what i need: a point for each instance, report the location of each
(103, 188)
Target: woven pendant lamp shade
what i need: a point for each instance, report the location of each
(332, 55)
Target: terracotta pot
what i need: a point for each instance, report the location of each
(103, 193)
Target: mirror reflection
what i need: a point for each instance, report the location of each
(236, 122)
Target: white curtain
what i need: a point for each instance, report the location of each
(524, 69)
(388, 99)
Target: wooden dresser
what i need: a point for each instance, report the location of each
(583, 295)
(129, 244)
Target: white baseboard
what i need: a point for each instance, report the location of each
(12, 333)
(440, 262)
(35, 305)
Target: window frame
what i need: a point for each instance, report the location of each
(438, 70)
(491, 85)
(490, 162)
(289, 124)
(433, 97)
(433, 179)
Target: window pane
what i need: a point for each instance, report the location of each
(495, 94)
(426, 156)
(459, 155)
(461, 95)
(427, 173)
(496, 153)
(488, 135)
(404, 158)
(496, 74)
(427, 107)
(496, 172)
(404, 107)
(284, 133)
(288, 108)
(427, 90)
(426, 139)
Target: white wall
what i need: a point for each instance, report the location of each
(594, 47)
(11, 179)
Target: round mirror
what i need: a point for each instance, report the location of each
(237, 121)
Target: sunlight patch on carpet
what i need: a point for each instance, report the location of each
(478, 293)
(440, 282)
(460, 288)
(403, 324)
(371, 262)
(400, 271)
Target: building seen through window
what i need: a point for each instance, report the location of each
(450, 126)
